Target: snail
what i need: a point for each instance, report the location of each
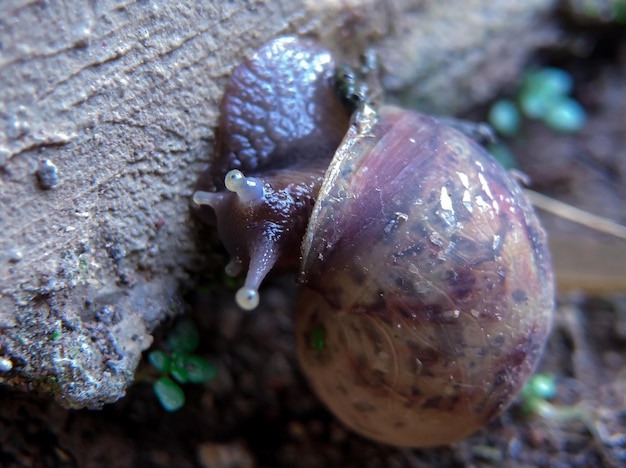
(426, 284)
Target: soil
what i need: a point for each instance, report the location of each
(259, 410)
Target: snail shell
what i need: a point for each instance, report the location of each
(427, 290)
(431, 329)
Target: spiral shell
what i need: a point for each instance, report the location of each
(429, 290)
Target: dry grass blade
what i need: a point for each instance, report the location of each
(576, 215)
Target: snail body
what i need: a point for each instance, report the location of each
(427, 290)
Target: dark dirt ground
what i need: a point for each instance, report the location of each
(259, 411)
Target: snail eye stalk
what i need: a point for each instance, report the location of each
(248, 189)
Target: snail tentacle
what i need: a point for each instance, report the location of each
(212, 199)
(262, 260)
(257, 219)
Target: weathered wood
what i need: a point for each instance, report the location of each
(122, 98)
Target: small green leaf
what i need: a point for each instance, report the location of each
(160, 360)
(535, 103)
(170, 395)
(541, 386)
(537, 389)
(179, 375)
(199, 369)
(178, 367)
(184, 337)
(549, 81)
(565, 115)
(504, 117)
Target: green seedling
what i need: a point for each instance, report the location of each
(565, 115)
(538, 389)
(179, 366)
(504, 117)
(543, 95)
(535, 395)
(542, 387)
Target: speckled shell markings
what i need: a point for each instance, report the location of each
(437, 279)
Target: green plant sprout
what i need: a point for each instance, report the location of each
(543, 95)
(535, 395)
(538, 389)
(179, 366)
(504, 117)
(542, 387)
